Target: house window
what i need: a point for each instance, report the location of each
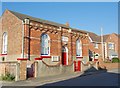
(111, 45)
(78, 48)
(4, 48)
(96, 45)
(45, 44)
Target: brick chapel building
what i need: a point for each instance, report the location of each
(23, 37)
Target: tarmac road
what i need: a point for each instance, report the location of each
(108, 78)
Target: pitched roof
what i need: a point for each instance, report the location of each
(23, 16)
(105, 37)
(94, 37)
(97, 38)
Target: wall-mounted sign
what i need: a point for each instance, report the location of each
(64, 38)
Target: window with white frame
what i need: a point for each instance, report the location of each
(4, 48)
(78, 48)
(45, 44)
(96, 45)
(111, 45)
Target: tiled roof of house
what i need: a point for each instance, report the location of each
(106, 36)
(94, 37)
(23, 16)
(97, 38)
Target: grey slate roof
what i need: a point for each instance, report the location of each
(23, 16)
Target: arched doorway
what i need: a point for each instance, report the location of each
(64, 55)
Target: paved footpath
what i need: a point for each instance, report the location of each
(47, 80)
(42, 80)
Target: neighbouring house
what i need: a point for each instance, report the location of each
(94, 46)
(41, 48)
(112, 45)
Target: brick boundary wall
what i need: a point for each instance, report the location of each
(11, 67)
(108, 66)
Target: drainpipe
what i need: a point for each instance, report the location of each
(23, 22)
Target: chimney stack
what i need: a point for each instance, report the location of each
(67, 24)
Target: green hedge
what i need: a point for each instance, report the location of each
(115, 60)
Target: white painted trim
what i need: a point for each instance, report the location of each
(90, 39)
(4, 45)
(80, 46)
(22, 55)
(48, 43)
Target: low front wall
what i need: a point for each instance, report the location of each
(88, 65)
(112, 65)
(108, 66)
(11, 68)
(45, 70)
(9, 57)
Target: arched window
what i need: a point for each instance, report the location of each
(45, 44)
(78, 48)
(4, 48)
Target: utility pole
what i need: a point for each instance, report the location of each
(102, 44)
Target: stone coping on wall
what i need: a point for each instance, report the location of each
(8, 61)
(58, 64)
(89, 62)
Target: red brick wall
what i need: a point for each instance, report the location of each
(119, 47)
(0, 35)
(85, 46)
(55, 42)
(114, 39)
(93, 49)
(13, 26)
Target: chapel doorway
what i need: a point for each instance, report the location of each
(64, 55)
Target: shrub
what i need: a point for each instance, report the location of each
(115, 60)
(8, 77)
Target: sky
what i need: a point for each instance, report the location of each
(88, 16)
